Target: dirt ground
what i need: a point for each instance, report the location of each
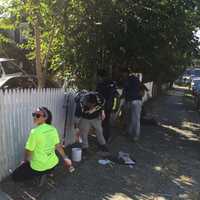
(167, 162)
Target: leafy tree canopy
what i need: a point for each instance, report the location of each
(154, 37)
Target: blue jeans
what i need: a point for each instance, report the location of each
(133, 117)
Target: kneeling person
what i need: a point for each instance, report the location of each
(40, 157)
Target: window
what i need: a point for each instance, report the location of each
(9, 67)
(20, 82)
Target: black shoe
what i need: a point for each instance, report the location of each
(103, 151)
(103, 148)
(85, 151)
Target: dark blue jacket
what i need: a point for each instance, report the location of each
(131, 90)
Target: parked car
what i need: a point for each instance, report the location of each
(186, 76)
(194, 84)
(189, 74)
(197, 98)
(12, 76)
(23, 81)
(194, 74)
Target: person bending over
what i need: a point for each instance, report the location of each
(89, 110)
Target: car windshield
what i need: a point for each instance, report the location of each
(10, 67)
(20, 82)
(25, 82)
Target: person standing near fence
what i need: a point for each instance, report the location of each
(40, 157)
(108, 89)
(90, 111)
(133, 103)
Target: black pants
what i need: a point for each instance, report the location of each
(106, 125)
(24, 172)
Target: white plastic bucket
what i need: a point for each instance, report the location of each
(76, 154)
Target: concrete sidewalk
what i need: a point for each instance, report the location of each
(167, 163)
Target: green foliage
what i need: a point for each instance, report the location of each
(154, 37)
(4, 39)
(5, 25)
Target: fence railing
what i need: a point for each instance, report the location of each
(16, 107)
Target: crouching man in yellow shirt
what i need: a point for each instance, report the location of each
(40, 157)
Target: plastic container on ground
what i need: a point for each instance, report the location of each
(76, 154)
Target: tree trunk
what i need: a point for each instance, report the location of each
(39, 71)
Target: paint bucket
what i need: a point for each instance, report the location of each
(76, 154)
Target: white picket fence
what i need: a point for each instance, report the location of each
(16, 109)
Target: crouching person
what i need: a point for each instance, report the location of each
(40, 157)
(90, 111)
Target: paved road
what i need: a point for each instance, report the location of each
(168, 162)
